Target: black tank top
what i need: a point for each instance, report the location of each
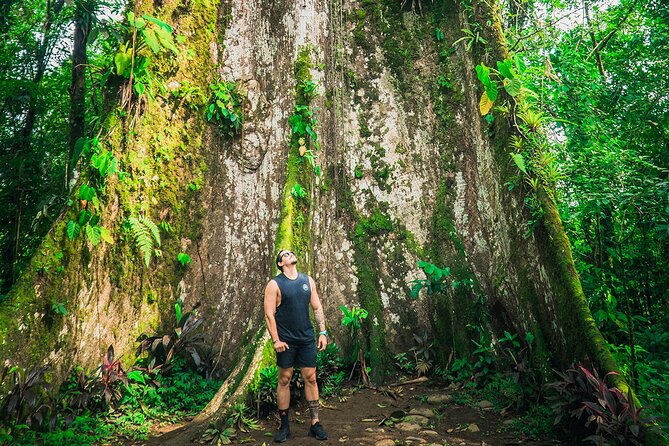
(292, 316)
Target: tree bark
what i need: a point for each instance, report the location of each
(83, 19)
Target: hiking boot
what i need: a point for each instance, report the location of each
(282, 435)
(318, 432)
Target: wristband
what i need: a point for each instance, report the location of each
(324, 333)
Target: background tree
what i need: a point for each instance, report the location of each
(602, 77)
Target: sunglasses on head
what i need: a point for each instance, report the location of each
(287, 253)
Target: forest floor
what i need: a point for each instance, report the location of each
(415, 414)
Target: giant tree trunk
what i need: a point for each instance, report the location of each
(410, 172)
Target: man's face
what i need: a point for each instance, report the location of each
(287, 258)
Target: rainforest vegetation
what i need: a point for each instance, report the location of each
(581, 86)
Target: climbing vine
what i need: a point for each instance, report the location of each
(225, 107)
(530, 147)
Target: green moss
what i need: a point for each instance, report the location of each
(381, 171)
(363, 124)
(367, 290)
(365, 235)
(453, 311)
(252, 342)
(143, 153)
(294, 221)
(400, 43)
(268, 359)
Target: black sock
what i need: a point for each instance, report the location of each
(283, 413)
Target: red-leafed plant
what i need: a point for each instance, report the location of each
(162, 349)
(27, 401)
(592, 411)
(106, 384)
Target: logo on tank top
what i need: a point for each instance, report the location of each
(305, 287)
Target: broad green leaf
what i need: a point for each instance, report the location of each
(93, 234)
(78, 149)
(136, 376)
(520, 162)
(122, 60)
(86, 192)
(139, 88)
(166, 39)
(415, 290)
(184, 259)
(422, 264)
(483, 74)
(151, 39)
(177, 309)
(140, 23)
(491, 91)
(84, 216)
(105, 235)
(513, 86)
(158, 22)
(73, 229)
(519, 62)
(506, 68)
(92, 36)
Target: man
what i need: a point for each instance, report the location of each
(287, 300)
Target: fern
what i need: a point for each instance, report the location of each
(145, 232)
(152, 227)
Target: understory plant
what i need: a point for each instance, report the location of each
(353, 320)
(263, 393)
(162, 349)
(588, 409)
(330, 371)
(27, 402)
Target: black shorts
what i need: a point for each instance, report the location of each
(303, 355)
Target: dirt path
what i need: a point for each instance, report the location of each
(420, 414)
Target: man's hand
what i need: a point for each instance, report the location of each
(280, 346)
(322, 342)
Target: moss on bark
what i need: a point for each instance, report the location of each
(161, 164)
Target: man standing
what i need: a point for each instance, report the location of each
(287, 300)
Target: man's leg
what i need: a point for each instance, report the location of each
(311, 389)
(283, 401)
(283, 390)
(311, 392)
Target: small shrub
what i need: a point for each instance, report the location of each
(264, 393)
(423, 353)
(27, 402)
(590, 410)
(404, 364)
(218, 434)
(162, 349)
(238, 416)
(330, 370)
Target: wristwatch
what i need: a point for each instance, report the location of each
(324, 333)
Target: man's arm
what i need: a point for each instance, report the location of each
(318, 314)
(271, 293)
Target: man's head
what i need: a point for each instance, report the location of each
(285, 257)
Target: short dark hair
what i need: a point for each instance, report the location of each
(279, 258)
